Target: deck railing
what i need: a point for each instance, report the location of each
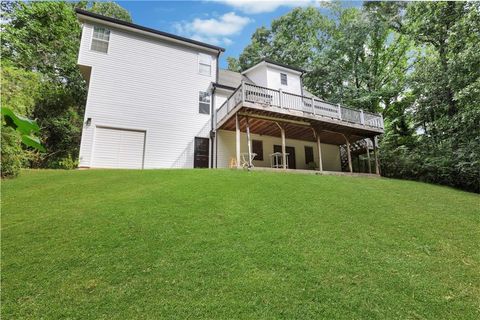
(297, 104)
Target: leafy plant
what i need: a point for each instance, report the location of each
(24, 126)
(311, 165)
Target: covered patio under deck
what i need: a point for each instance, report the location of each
(257, 110)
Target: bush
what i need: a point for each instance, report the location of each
(311, 165)
(67, 163)
(453, 159)
(12, 153)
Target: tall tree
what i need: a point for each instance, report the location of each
(365, 61)
(418, 63)
(43, 38)
(291, 40)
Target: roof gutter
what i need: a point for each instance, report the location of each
(120, 24)
(222, 86)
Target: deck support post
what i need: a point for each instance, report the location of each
(368, 159)
(349, 156)
(377, 162)
(319, 149)
(237, 139)
(284, 148)
(249, 144)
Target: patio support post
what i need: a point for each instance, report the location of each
(249, 144)
(237, 139)
(319, 148)
(284, 152)
(368, 158)
(377, 162)
(349, 156)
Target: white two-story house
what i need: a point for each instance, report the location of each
(157, 100)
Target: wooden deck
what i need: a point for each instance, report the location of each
(269, 112)
(298, 114)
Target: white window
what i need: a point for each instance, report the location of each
(283, 78)
(204, 64)
(203, 102)
(100, 39)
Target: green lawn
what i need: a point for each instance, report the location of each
(231, 244)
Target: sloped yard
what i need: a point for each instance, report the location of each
(231, 244)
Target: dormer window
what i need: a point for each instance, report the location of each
(283, 79)
(100, 39)
(204, 64)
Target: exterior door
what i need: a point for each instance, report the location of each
(201, 153)
(291, 155)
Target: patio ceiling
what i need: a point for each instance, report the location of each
(300, 128)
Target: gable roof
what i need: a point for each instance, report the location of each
(278, 64)
(136, 27)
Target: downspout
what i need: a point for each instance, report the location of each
(214, 142)
(212, 126)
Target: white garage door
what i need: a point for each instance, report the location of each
(118, 148)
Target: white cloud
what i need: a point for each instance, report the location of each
(262, 6)
(213, 30)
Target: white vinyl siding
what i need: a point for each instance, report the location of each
(226, 150)
(204, 64)
(118, 148)
(149, 84)
(100, 39)
(274, 77)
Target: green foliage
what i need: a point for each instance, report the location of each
(312, 165)
(67, 163)
(446, 110)
(20, 89)
(12, 153)
(291, 39)
(109, 9)
(24, 126)
(40, 76)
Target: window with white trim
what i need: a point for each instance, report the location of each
(283, 78)
(204, 64)
(100, 39)
(203, 102)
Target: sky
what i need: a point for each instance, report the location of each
(225, 23)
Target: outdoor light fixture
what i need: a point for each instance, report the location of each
(89, 121)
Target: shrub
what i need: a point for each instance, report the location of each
(12, 153)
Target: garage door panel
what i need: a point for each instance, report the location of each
(118, 148)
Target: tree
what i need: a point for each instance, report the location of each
(355, 57)
(19, 93)
(109, 9)
(43, 38)
(418, 63)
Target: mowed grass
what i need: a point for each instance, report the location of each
(227, 244)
